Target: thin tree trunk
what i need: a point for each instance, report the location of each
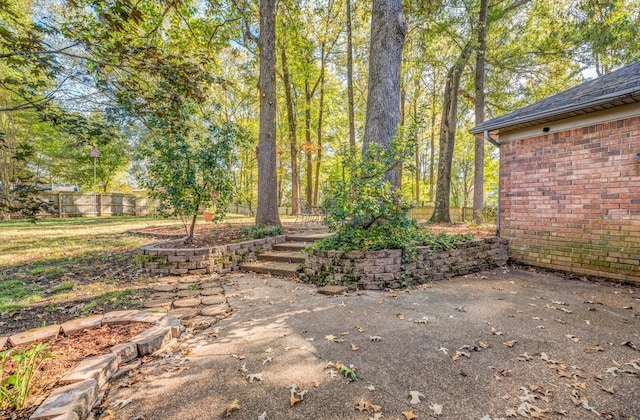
(293, 138)
(417, 136)
(320, 115)
(388, 31)
(448, 136)
(432, 143)
(478, 174)
(267, 211)
(308, 146)
(352, 118)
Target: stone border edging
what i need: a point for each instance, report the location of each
(164, 260)
(81, 386)
(382, 269)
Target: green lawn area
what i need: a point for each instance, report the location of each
(59, 260)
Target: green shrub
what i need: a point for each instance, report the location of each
(369, 214)
(261, 231)
(16, 388)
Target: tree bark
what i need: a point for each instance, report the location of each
(308, 147)
(293, 137)
(448, 135)
(352, 118)
(478, 174)
(388, 31)
(316, 188)
(267, 211)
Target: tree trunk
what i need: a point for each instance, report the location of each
(417, 136)
(448, 136)
(432, 143)
(320, 115)
(267, 211)
(388, 31)
(478, 174)
(352, 118)
(308, 94)
(293, 138)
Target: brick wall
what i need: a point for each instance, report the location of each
(163, 260)
(387, 268)
(571, 200)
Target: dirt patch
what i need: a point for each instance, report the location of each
(71, 350)
(479, 231)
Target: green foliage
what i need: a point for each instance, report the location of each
(190, 172)
(261, 231)
(15, 294)
(16, 388)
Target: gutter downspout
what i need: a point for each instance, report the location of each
(493, 141)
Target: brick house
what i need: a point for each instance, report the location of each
(569, 188)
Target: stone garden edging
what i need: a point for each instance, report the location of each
(385, 269)
(161, 259)
(81, 386)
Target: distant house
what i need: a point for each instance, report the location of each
(570, 178)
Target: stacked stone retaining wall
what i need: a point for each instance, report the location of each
(163, 260)
(389, 268)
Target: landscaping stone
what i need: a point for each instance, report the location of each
(76, 398)
(186, 303)
(119, 317)
(218, 310)
(184, 313)
(188, 293)
(332, 290)
(158, 303)
(94, 321)
(162, 295)
(38, 334)
(3, 342)
(164, 288)
(214, 300)
(67, 416)
(175, 325)
(149, 317)
(152, 339)
(185, 286)
(211, 291)
(125, 352)
(99, 368)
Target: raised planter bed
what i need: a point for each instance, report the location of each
(388, 269)
(164, 260)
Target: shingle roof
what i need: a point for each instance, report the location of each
(620, 87)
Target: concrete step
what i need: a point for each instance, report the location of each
(307, 237)
(291, 246)
(282, 256)
(272, 267)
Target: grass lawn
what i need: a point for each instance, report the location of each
(58, 268)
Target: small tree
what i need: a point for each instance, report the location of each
(189, 175)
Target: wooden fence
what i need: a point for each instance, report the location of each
(66, 204)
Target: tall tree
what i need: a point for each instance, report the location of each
(350, 101)
(448, 134)
(267, 210)
(388, 31)
(293, 136)
(478, 174)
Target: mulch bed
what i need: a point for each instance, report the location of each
(70, 350)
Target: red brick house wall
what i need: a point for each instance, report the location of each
(570, 200)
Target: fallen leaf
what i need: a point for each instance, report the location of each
(436, 408)
(354, 347)
(263, 416)
(360, 329)
(524, 357)
(629, 344)
(267, 360)
(233, 406)
(510, 412)
(557, 302)
(371, 388)
(593, 349)
(462, 309)
(613, 370)
(415, 397)
(609, 390)
(399, 316)
(565, 310)
(376, 416)
(254, 377)
(330, 337)
(483, 344)
(495, 332)
(444, 350)
(633, 365)
(108, 415)
(573, 337)
(375, 338)
(460, 354)
(579, 385)
(119, 404)
(408, 415)
(424, 320)
(510, 343)
(293, 401)
(316, 384)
